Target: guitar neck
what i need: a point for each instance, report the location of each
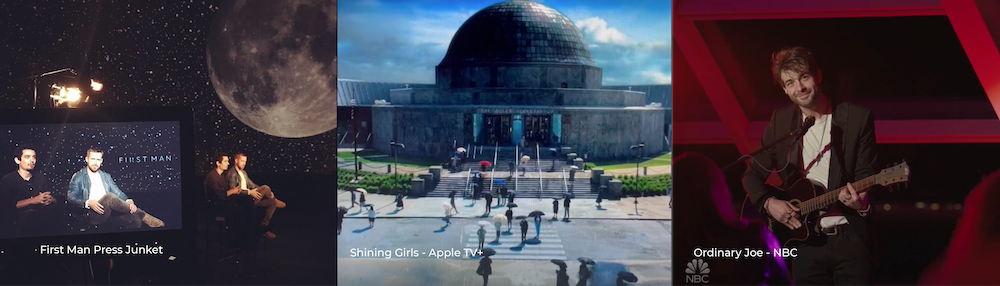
(829, 198)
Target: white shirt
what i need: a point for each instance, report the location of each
(243, 180)
(814, 142)
(371, 213)
(97, 189)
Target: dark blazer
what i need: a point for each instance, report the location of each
(79, 188)
(234, 179)
(853, 157)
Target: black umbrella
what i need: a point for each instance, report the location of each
(628, 276)
(520, 217)
(536, 213)
(559, 262)
(489, 252)
(489, 195)
(585, 260)
(342, 209)
(512, 205)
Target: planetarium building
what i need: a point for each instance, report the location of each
(514, 71)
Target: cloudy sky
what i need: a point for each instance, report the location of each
(402, 41)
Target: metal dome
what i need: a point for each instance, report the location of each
(518, 31)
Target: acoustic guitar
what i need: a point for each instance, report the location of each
(810, 199)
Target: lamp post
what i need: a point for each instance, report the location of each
(35, 78)
(637, 147)
(354, 130)
(395, 154)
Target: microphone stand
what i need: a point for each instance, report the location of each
(794, 134)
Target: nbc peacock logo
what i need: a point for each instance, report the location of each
(697, 271)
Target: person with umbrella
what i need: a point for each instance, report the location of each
(584, 272)
(511, 195)
(482, 234)
(447, 213)
(503, 192)
(538, 221)
(555, 208)
(600, 195)
(524, 164)
(399, 201)
(451, 196)
(562, 279)
(524, 228)
(625, 276)
(485, 269)
(566, 207)
(510, 216)
(498, 222)
(489, 201)
(341, 212)
(354, 198)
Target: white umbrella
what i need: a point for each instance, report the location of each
(574, 167)
(484, 223)
(362, 191)
(447, 207)
(461, 149)
(500, 218)
(525, 159)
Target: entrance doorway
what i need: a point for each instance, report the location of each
(497, 128)
(538, 129)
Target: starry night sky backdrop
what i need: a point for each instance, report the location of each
(146, 53)
(61, 149)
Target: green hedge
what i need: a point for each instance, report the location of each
(374, 182)
(650, 184)
(589, 166)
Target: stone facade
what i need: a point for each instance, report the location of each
(601, 133)
(519, 75)
(518, 96)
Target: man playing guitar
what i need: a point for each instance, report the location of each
(838, 149)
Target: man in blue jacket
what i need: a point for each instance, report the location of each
(96, 191)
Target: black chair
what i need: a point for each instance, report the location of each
(217, 216)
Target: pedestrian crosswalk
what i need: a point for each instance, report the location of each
(548, 245)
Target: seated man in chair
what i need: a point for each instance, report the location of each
(238, 204)
(30, 195)
(262, 195)
(96, 191)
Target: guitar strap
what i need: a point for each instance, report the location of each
(818, 157)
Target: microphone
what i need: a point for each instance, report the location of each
(797, 134)
(809, 122)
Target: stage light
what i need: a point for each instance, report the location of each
(935, 206)
(886, 207)
(920, 205)
(96, 85)
(64, 96)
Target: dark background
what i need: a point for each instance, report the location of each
(902, 68)
(153, 53)
(146, 53)
(907, 238)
